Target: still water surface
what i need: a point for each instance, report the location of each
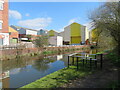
(25, 71)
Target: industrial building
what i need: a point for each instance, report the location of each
(75, 34)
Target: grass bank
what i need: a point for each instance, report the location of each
(59, 78)
(114, 57)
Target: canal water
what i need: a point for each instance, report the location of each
(26, 70)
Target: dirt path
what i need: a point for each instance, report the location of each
(99, 79)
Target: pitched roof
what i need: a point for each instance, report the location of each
(18, 27)
(12, 30)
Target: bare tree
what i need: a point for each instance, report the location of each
(107, 18)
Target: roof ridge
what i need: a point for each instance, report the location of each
(24, 27)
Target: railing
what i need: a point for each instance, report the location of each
(86, 58)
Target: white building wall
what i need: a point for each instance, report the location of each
(52, 40)
(83, 34)
(67, 36)
(5, 38)
(59, 41)
(31, 32)
(55, 40)
(46, 32)
(87, 33)
(62, 34)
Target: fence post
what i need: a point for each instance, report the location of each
(77, 63)
(68, 61)
(101, 60)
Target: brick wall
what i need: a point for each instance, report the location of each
(14, 35)
(4, 17)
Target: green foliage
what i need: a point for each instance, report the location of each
(106, 19)
(95, 35)
(114, 57)
(49, 52)
(30, 40)
(93, 46)
(29, 36)
(41, 41)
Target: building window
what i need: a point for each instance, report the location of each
(9, 33)
(1, 24)
(1, 5)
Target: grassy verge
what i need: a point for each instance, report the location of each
(49, 52)
(115, 59)
(59, 78)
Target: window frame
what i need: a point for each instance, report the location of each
(2, 3)
(1, 24)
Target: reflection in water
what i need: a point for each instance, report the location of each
(59, 57)
(26, 70)
(15, 71)
(4, 80)
(41, 65)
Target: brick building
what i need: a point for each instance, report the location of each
(13, 36)
(4, 29)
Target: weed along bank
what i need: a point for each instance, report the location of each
(20, 51)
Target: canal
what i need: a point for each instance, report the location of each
(26, 70)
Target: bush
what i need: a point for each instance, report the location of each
(114, 57)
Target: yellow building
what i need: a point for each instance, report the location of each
(75, 34)
(75, 29)
(72, 34)
(52, 33)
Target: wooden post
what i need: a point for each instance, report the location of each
(96, 63)
(86, 58)
(68, 61)
(86, 61)
(73, 60)
(95, 56)
(101, 60)
(83, 62)
(77, 63)
(90, 62)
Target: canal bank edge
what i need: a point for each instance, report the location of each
(62, 76)
(58, 78)
(20, 53)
